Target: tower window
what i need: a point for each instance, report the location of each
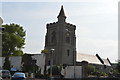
(53, 37)
(48, 62)
(68, 52)
(68, 39)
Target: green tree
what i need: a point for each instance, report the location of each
(29, 64)
(118, 66)
(13, 39)
(6, 64)
(90, 69)
(55, 70)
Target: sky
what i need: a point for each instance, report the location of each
(96, 23)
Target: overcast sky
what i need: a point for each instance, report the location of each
(96, 23)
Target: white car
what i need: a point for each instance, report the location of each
(19, 76)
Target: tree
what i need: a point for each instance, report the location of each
(55, 70)
(29, 64)
(13, 39)
(6, 64)
(91, 70)
(118, 66)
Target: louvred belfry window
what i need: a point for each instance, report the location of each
(67, 37)
(53, 38)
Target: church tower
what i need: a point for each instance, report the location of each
(61, 37)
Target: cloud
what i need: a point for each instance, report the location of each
(34, 46)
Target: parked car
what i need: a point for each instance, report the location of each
(18, 76)
(5, 74)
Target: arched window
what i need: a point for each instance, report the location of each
(67, 37)
(53, 37)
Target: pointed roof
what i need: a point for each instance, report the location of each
(61, 14)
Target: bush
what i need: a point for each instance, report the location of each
(103, 74)
(55, 70)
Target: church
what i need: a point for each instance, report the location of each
(60, 41)
(61, 37)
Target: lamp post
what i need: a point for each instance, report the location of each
(51, 62)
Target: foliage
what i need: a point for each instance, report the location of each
(103, 74)
(60, 67)
(55, 70)
(6, 64)
(114, 70)
(13, 39)
(91, 70)
(39, 75)
(118, 66)
(29, 64)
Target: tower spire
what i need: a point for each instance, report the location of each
(61, 16)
